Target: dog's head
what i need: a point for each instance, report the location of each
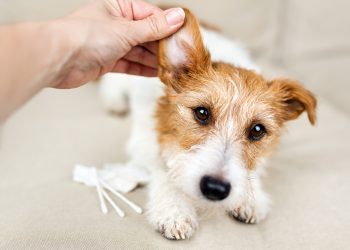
(217, 123)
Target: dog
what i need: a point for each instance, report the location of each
(204, 128)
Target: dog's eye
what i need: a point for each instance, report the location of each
(202, 115)
(257, 132)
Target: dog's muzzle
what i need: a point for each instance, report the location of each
(214, 189)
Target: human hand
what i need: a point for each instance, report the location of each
(114, 36)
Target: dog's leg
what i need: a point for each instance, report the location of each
(169, 211)
(251, 206)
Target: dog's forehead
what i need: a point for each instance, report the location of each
(241, 80)
(226, 85)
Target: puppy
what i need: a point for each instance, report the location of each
(205, 129)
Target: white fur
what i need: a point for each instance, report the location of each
(175, 199)
(115, 98)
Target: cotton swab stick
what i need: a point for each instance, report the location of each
(116, 208)
(131, 204)
(104, 208)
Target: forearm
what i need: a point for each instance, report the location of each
(32, 57)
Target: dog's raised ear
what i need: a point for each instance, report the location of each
(294, 99)
(183, 54)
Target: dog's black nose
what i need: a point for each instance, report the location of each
(214, 189)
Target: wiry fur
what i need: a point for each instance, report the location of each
(179, 151)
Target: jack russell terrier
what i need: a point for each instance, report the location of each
(204, 128)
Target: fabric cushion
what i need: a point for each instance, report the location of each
(22, 10)
(316, 28)
(254, 23)
(315, 46)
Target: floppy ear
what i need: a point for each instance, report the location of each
(183, 54)
(295, 99)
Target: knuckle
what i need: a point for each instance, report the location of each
(154, 24)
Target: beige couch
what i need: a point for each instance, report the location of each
(308, 177)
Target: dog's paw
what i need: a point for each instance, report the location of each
(251, 211)
(244, 214)
(177, 229)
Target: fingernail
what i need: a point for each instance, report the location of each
(175, 16)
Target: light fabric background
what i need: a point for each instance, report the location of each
(308, 177)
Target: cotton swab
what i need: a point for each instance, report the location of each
(104, 208)
(116, 208)
(131, 204)
(90, 177)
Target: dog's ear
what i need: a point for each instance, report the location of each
(294, 99)
(183, 54)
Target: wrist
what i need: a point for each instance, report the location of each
(32, 57)
(64, 46)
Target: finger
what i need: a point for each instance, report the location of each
(142, 56)
(157, 26)
(152, 47)
(132, 68)
(142, 9)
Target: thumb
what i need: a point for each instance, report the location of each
(158, 26)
